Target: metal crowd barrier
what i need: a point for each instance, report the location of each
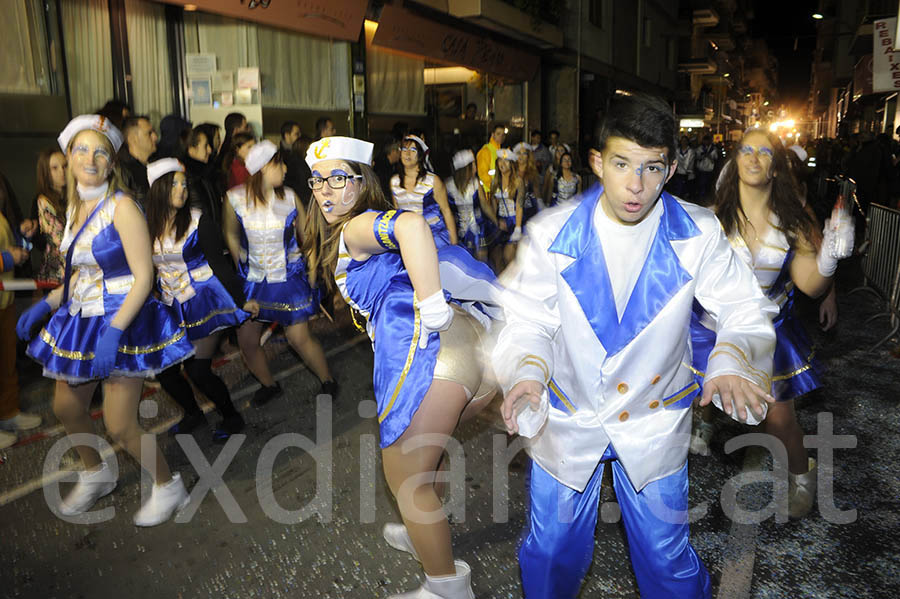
(881, 264)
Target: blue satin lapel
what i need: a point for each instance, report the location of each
(661, 276)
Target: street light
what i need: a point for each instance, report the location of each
(818, 15)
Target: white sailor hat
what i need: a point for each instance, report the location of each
(800, 152)
(462, 159)
(94, 122)
(507, 154)
(418, 140)
(339, 148)
(259, 156)
(157, 169)
(523, 146)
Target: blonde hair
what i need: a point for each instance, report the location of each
(531, 173)
(497, 181)
(114, 176)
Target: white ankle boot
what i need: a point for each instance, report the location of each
(397, 537)
(164, 501)
(456, 586)
(802, 491)
(91, 486)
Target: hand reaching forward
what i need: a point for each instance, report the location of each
(519, 397)
(742, 392)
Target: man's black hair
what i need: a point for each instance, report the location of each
(554, 132)
(232, 122)
(536, 132)
(288, 126)
(498, 125)
(644, 119)
(321, 123)
(132, 122)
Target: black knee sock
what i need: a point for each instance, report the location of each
(212, 386)
(178, 387)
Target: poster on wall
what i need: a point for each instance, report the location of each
(201, 91)
(200, 65)
(223, 81)
(248, 78)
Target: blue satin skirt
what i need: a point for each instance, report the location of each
(503, 236)
(286, 303)
(795, 372)
(559, 546)
(153, 342)
(211, 309)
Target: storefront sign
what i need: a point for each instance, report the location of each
(340, 19)
(405, 32)
(886, 62)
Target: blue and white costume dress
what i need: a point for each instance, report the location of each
(795, 371)
(100, 280)
(196, 286)
(468, 214)
(506, 212)
(531, 205)
(421, 200)
(379, 289)
(564, 191)
(271, 262)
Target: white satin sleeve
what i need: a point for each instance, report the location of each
(745, 338)
(529, 300)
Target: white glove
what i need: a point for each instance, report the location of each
(531, 420)
(837, 243)
(435, 315)
(516, 234)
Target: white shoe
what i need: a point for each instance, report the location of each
(700, 438)
(165, 500)
(397, 537)
(802, 491)
(7, 439)
(21, 422)
(455, 586)
(91, 486)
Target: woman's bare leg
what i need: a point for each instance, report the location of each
(309, 348)
(248, 335)
(71, 404)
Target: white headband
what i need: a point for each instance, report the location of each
(523, 146)
(418, 140)
(94, 122)
(462, 159)
(259, 156)
(507, 154)
(800, 152)
(161, 167)
(339, 148)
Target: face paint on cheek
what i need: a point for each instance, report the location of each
(348, 197)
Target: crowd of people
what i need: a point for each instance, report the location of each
(620, 303)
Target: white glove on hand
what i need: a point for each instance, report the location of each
(435, 314)
(837, 243)
(516, 234)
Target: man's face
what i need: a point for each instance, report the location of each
(142, 140)
(554, 139)
(633, 177)
(244, 127)
(499, 135)
(535, 139)
(329, 130)
(292, 136)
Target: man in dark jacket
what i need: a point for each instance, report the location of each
(297, 170)
(135, 153)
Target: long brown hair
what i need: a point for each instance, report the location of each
(114, 178)
(420, 161)
(237, 140)
(497, 181)
(255, 183)
(463, 176)
(531, 173)
(45, 181)
(784, 198)
(158, 207)
(321, 239)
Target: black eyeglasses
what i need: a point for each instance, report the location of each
(334, 181)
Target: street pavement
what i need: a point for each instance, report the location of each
(257, 548)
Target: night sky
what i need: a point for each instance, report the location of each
(782, 24)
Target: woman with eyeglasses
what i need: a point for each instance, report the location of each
(105, 325)
(416, 189)
(263, 221)
(427, 312)
(758, 204)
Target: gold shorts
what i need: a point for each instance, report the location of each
(463, 356)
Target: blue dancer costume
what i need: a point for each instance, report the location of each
(795, 371)
(100, 280)
(421, 200)
(271, 263)
(193, 284)
(564, 191)
(380, 290)
(470, 221)
(506, 212)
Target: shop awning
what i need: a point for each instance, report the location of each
(341, 19)
(406, 32)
